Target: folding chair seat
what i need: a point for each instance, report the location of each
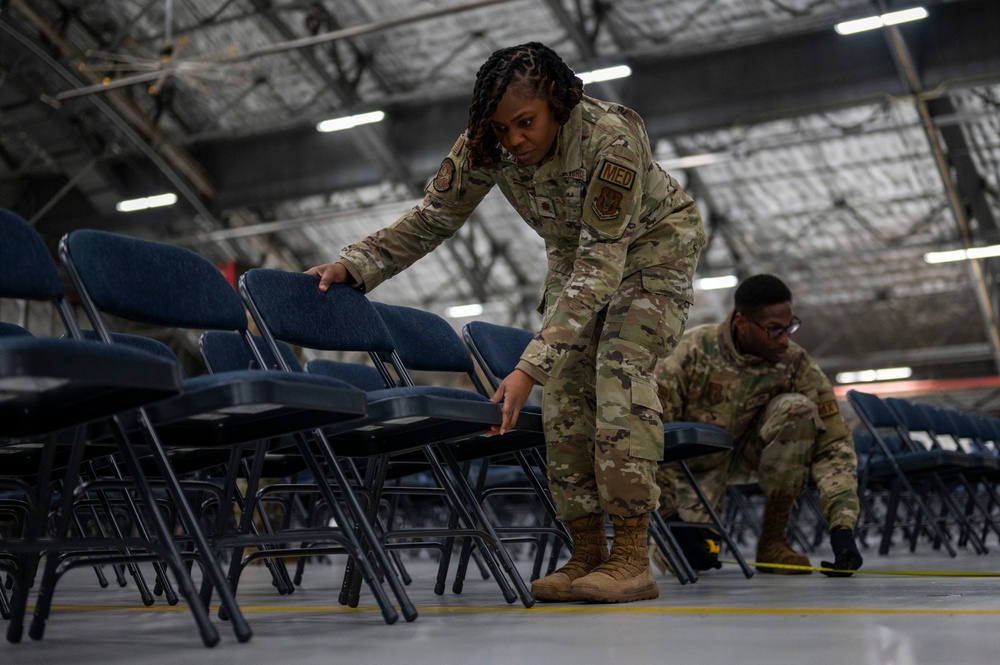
(225, 351)
(898, 467)
(400, 420)
(54, 393)
(168, 286)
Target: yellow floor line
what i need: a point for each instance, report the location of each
(563, 609)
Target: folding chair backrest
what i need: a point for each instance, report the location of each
(12, 330)
(989, 438)
(226, 352)
(178, 288)
(497, 349)
(30, 272)
(915, 424)
(872, 410)
(426, 342)
(361, 376)
(963, 428)
(297, 312)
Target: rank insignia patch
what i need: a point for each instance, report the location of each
(617, 175)
(607, 205)
(442, 181)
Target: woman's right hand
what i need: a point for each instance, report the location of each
(330, 273)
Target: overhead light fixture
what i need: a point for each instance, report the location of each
(962, 254)
(157, 201)
(712, 283)
(337, 124)
(875, 22)
(693, 161)
(464, 311)
(606, 74)
(869, 375)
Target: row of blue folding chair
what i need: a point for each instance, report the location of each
(118, 275)
(212, 411)
(911, 475)
(67, 394)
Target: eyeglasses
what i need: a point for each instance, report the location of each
(774, 332)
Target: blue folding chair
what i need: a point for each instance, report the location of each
(401, 420)
(62, 391)
(163, 285)
(952, 467)
(898, 466)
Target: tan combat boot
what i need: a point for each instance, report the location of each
(590, 549)
(772, 546)
(625, 576)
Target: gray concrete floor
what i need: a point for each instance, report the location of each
(723, 618)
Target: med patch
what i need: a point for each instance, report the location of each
(617, 175)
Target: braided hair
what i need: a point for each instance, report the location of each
(544, 73)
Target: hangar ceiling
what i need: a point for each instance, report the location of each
(835, 162)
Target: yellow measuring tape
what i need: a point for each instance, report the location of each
(911, 573)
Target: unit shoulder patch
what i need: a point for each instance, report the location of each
(608, 202)
(618, 175)
(442, 181)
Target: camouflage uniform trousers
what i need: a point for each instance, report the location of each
(602, 414)
(778, 452)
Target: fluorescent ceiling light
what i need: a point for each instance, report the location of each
(869, 375)
(693, 161)
(875, 22)
(710, 283)
(337, 124)
(158, 201)
(962, 254)
(904, 15)
(606, 74)
(464, 311)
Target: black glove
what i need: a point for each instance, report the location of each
(845, 552)
(700, 545)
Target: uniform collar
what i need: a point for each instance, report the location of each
(728, 346)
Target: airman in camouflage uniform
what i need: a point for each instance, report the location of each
(746, 376)
(622, 241)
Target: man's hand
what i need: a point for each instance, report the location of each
(330, 273)
(846, 556)
(513, 394)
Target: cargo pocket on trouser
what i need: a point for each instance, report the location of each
(646, 421)
(657, 316)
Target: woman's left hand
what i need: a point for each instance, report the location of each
(513, 394)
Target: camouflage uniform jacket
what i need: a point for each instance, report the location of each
(707, 380)
(604, 208)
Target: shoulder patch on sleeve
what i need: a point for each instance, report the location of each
(618, 175)
(608, 203)
(828, 408)
(442, 181)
